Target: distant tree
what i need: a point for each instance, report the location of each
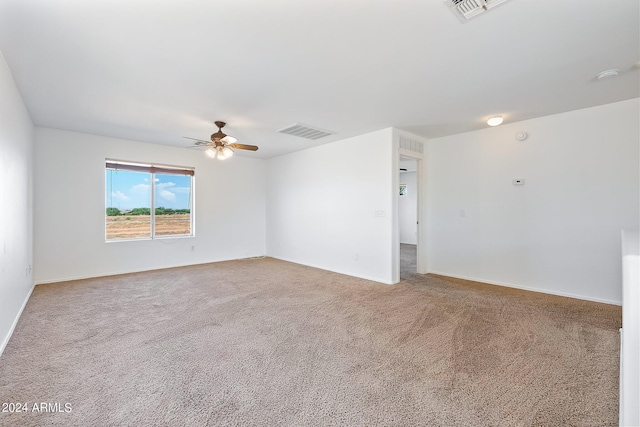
(140, 211)
(164, 211)
(113, 212)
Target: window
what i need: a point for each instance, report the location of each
(147, 201)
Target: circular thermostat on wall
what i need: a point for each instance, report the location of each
(521, 136)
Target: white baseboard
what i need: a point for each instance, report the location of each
(319, 267)
(6, 339)
(118, 273)
(527, 288)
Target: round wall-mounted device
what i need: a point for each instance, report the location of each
(521, 136)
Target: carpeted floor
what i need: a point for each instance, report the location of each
(408, 261)
(266, 343)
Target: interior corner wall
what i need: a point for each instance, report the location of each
(408, 209)
(69, 219)
(330, 206)
(16, 201)
(559, 232)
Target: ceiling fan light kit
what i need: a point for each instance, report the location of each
(229, 139)
(219, 152)
(226, 152)
(221, 145)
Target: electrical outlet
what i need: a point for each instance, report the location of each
(356, 257)
(193, 248)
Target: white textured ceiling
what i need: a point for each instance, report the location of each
(158, 70)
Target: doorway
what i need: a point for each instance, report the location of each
(408, 199)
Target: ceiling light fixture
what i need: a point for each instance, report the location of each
(219, 152)
(221, 145)
(495, 121)
(226, 152)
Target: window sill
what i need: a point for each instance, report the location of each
(147, 239)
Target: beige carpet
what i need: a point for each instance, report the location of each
(266, 342)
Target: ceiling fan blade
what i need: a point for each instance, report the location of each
(198, 141)
(244, 147)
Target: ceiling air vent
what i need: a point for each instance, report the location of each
(411, 145)
(304, 131)
(467, 9)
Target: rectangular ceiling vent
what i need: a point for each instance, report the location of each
(305, 131)
(467, 9)
(411, 145)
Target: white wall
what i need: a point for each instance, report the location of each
(16, 201)
(560, 232)
(70, 208)
(408, 209)
(321, 204)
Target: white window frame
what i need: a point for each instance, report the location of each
(152, 169)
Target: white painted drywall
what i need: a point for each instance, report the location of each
(70, 202)
(560, 232)
(408, 209)
(321, 204)
(16, 201)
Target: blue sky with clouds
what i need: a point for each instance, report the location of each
(127, 190)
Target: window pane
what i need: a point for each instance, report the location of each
(173, 204)
(128, 204)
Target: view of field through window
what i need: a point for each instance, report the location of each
(129, 204)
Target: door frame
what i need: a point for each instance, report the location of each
(398, 152)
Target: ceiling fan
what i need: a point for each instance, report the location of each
(221, 144)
